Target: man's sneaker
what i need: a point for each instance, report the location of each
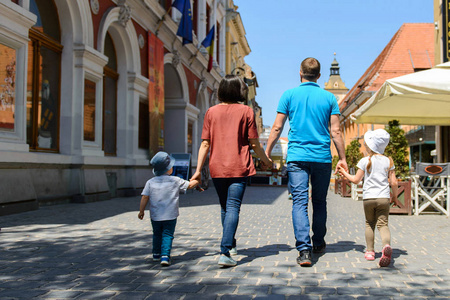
(386, 254)
(319, 249)
(226, 261)
(165, 261)
(156, 257)
(233, 251)
(304, 259)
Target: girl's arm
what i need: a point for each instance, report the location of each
(352, 178)
(394, 185)
(144, 201)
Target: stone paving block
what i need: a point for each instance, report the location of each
(92, 286)
(185, 288)
(122, 287)
(62, 294)
(165, 296)
(22, 294)
(203, 296)
(220, 289)
(320, 290)
(351, 291)
(303, 297)
(97, 295)
(236, 297)
(286, 290)
(383, 291)
(270, 297)
(445, 292)
(273, 281)
(252, 290)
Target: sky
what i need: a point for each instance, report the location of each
(282, 33)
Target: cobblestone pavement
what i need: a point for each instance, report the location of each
(102, 250)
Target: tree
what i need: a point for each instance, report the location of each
(398, 149)
(353, 155)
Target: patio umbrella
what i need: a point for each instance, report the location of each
(421, 98)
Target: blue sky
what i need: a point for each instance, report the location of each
(282, 33)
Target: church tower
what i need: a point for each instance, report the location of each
(335, 84)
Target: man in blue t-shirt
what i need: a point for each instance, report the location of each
(310, 110)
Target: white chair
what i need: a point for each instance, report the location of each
(431, 187)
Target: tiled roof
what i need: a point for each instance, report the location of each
(410, 49)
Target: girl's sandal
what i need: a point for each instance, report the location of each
(369, 255)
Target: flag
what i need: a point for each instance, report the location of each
(208, 43)
(185, 27)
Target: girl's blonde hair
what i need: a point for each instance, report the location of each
(369, 165)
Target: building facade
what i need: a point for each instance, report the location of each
(91, 89)
(411, 49)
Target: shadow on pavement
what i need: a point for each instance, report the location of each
(267, 250)
(344, 246)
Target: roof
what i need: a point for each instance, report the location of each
(410, 49)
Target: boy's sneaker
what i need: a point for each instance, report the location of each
(304, 259)
(233, 251)
(165, 261)
(226, 261)
(319, 249)
(386, 254)
(156, 257)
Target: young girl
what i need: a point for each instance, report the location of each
(378, 172)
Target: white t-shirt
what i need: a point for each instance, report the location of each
(164, 193)
(376, 184)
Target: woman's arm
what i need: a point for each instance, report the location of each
(256, 146)
(202, 154)
(352, 178)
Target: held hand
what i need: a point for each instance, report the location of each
(197, 176)
(199, 188)
(395, 201)
(342, 163)
(141, 215)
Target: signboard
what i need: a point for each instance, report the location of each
(182, 165)
(446, 29)
(156, 93)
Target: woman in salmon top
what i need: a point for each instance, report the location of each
(229, 132)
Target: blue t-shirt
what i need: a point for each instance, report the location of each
(309, 109)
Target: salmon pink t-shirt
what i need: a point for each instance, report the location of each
(228, 127)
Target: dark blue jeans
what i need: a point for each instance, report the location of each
(299, 175)
(230, 192)
(163, 236)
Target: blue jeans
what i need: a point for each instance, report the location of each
(163, 236)
(230, 192)
(299, 175)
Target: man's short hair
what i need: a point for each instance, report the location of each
(310, 68)
(232, 89)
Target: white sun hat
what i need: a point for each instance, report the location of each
(377, 140)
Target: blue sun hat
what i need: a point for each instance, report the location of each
(377, 140)
(161, 163)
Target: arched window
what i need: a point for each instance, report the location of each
(44, 73)
(110, 78)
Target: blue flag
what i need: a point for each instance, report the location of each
(185, 27)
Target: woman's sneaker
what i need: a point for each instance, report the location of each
(386, 254)
(165, 261)
(233, 251)
(226, 261)
(369, 255)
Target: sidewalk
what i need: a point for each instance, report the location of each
(102, 250)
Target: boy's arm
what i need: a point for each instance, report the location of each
(144, 201)
(352, 178)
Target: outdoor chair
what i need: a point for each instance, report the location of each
(431, 188)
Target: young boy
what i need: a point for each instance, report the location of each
(163, 192)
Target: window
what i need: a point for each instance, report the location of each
(218, 43)
(110, 79)
(165, 4)
(7, 87)
(43, 88)
(89, 110)
(144, 124)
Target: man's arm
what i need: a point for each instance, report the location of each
(338, 141)
(275, 133)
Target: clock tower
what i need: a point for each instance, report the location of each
(335, 84)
